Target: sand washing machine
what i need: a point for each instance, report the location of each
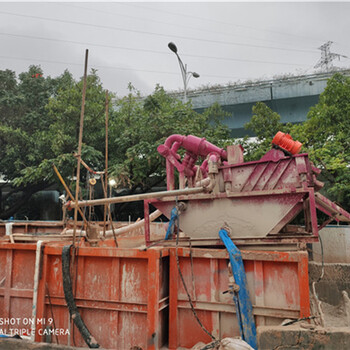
(273, 200)
(256, 200)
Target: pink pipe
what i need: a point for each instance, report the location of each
(175, 147)
(195, 147)
(172, 139)
(202, 147)
(214, 157)
(193, 144)
(189, 165)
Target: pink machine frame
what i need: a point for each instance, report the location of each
(278, 178)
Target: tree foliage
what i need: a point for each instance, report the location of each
(325, 135)
(39, 125)
(24, 126)
(140, 125)
(264, 123)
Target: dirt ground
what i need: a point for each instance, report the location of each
(336, 316)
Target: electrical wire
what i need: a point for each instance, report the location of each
(29, 59)
(226, 23)
(81, 64)
(150, 51)
(111, 67)
(151, 33)
(183, 280)
(173, 24)
(83, 43)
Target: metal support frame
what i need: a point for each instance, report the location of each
(310, 212)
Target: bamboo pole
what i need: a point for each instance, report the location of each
(80, 144)
(110, 217)
(68, 191)
(106, 168)
(137, 197)
(88, 168)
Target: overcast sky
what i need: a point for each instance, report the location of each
(128, 41)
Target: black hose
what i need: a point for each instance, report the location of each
(72, 307)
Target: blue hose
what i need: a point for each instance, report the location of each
(171, 226)
(243, 303)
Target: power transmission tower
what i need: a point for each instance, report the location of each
(327, 57)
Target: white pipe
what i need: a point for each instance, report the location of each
(203, 183)
(35, 290)
(212, 183)
(137, 197)
(8, 226)
(156, 214)
(70, 233)
(208, 183)
(9, 231)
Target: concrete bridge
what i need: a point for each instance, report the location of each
(290, 97)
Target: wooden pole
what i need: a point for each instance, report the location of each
(68, 191)
(138, 197)
(80, 144)
(110, 216)
(106, 168)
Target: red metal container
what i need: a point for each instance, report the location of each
(32, 227)
(277, 282)
(16, 285)
(122, 294)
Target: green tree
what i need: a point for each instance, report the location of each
(64, 110)
(140, 125)
(39, 125)
(57, 142)
(325, 136)
(265, 123)
(24, 123)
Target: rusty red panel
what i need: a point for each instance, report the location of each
(16, 284)
(277, 282)
(122, 294)
(21, 309)
(23, 269)
(3, 254)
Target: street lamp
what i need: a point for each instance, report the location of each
(186, 76)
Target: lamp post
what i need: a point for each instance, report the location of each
(186, 76)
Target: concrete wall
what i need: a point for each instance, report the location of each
(295, 337)
(336, 245)
(14, 344)
(336, 253)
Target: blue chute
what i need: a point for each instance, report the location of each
(244, 308)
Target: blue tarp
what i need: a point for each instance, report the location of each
(243, 303)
